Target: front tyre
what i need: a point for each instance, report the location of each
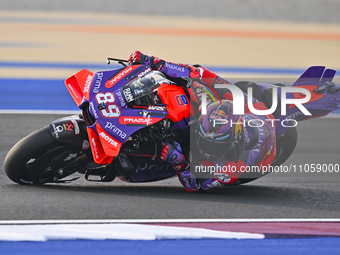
(39, 158)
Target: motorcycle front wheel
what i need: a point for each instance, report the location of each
(38, 158)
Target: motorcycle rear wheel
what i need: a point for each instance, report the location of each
(38, 158)
(285, 147)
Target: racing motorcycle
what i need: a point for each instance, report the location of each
(126, 114)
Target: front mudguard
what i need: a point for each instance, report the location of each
(71, 131)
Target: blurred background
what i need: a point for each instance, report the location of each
(43, 42)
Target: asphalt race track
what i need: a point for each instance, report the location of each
(277, 195)
(48, 45)
(290, 211)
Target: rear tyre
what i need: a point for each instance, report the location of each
(285, 146)
(37, 158)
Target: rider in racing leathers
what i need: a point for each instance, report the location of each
(229, 149)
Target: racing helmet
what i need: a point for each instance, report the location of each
(218, 131)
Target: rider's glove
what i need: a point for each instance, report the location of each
(188, 180)
(138, 58)
(172, 153)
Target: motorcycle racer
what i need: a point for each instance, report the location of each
(124, 122)
(227, 148)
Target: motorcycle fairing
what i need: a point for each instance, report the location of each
(315, 75)
(179, 107)
(115, 121)
(319, 104)
(78, 85)
(104, 147)
(147, 170)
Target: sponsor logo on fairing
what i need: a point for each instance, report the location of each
(94, 146)
(115, 129)
(56, 131)
(108, 139)
(98, 82)
(93, 110)
(63, 127)
(138, 91)
(156, 108)
(136, 120)
(88, 83)
(118, 77)
(73, 92)
(128, 95)
(68, 126)
(182, 100)
(76, 127)
(144, 72)
(293, 115)
(126, 120)
(121, 99)
(147, 167)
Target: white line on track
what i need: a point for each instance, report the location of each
(114, 232)
(30, 222)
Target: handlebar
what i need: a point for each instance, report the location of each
(120, 61)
